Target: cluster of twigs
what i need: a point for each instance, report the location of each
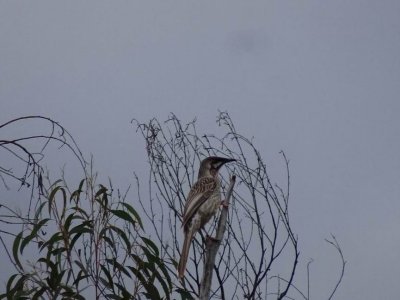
(253, 261)
(90, 243)
(83, 243)
(23, 164)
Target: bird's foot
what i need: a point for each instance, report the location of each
(225, 203)
(211, 239)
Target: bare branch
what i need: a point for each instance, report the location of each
(212, 247)
(336, 245)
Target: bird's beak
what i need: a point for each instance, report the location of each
(226, 160)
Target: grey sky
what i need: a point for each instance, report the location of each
(319, 79)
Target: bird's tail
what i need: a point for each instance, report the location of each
(184, 254)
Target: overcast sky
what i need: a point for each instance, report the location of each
(318, 79)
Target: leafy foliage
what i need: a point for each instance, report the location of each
(86, 242)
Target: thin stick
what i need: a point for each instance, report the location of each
(213, 244)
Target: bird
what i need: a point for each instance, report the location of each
(202, 203)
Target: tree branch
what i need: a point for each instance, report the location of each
(212, 246)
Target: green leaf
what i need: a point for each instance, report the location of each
(109, 241)
(79, 278)
(74, 239)
(134, 213)
(139, 261)
(102, 190)
(33, 234)
(123, 215)
(43, 260)
(39, 293)
(52, 196)
(76, 194)
(59, 278)
(10, 282)
(39, 210)
(150, 244)
(108, 275)
(55, 183)
(85, 227)
(184, 294)
(19, 286)
(118, 266)
(58, 251)
(80, 210)
(53, 240)
(101, 197)
(69, 220)
(163, 269)
(104, 282)
(64, 194)
(125, 293)
(150, 256)
(115, 297)
(138, 274)
(81, 266)
(16, 244)
(119, 232)
(166, 287)
(152, 292)
(81, 184)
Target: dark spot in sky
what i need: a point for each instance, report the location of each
(246, 41)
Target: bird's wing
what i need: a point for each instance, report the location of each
(198, 194)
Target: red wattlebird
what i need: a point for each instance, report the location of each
(202, 203)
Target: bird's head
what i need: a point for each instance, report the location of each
(210, 165)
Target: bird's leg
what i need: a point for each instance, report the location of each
(225, 203)
(209, 238)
